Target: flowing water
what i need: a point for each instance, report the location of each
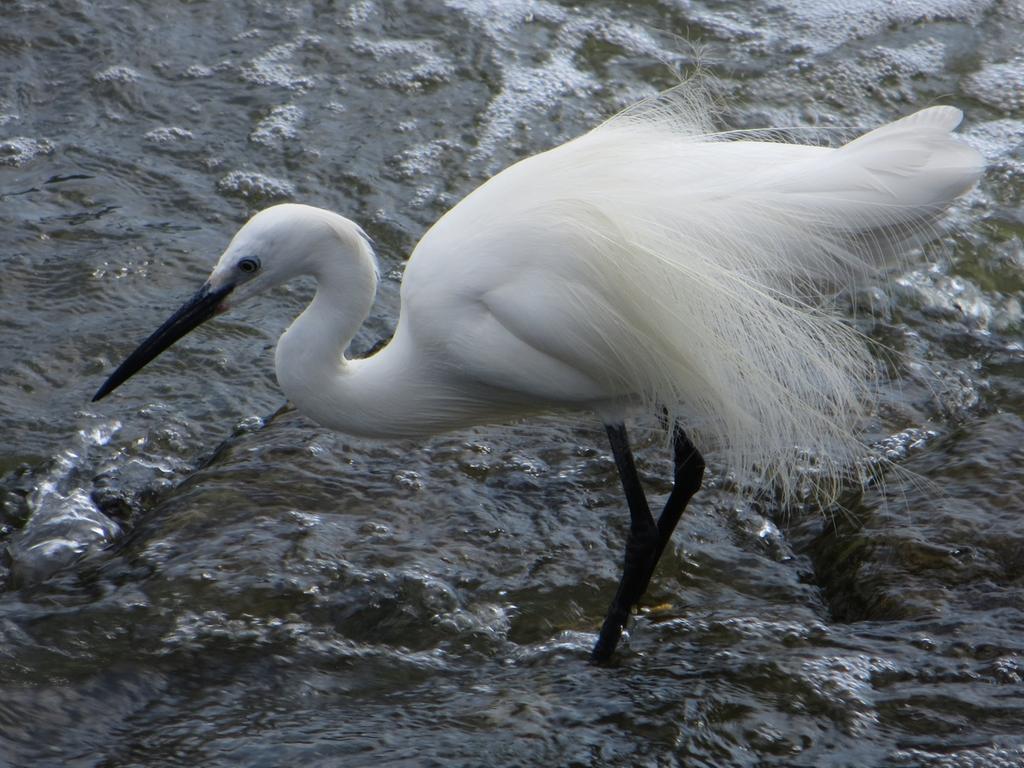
(188, 579)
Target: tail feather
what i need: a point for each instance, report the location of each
(750, 238)
(899, 172)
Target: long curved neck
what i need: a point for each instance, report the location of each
(397, 393)
(309, 361)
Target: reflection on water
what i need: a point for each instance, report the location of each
(186, 580)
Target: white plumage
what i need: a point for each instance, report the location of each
(646, 265)
(640, 265)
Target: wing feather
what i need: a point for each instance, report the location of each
(690, 271)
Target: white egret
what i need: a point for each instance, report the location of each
(647, 264)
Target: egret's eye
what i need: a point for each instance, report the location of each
(248, 265)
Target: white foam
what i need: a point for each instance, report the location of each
(362, 10)
(501, 18)
(999, 85)
(21, 150)
(993, 756)
(531, 85)
(250, 185)
(821, 26)
(423, 159)
(433, 66)
(527, 89)
(118, 73)
(274, 67)
(199, 71)
(279, 127)
(170, 134)
(997, 140)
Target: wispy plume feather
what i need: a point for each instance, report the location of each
(704, 264)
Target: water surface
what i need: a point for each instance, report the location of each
(187, 579)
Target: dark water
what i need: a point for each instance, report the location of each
(187, 581)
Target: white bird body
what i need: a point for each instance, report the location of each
(633, 266)
(645, 265)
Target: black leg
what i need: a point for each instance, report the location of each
(647, 539)
(640, 546)
(689, 472)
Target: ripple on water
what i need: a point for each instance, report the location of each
(62, 529)
(117, 73)
(202, 632)
(957, 298)
(845, 682)
(64, 524)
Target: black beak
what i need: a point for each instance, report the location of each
(193, 312)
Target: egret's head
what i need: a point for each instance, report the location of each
(280, 243)
(274, 246)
